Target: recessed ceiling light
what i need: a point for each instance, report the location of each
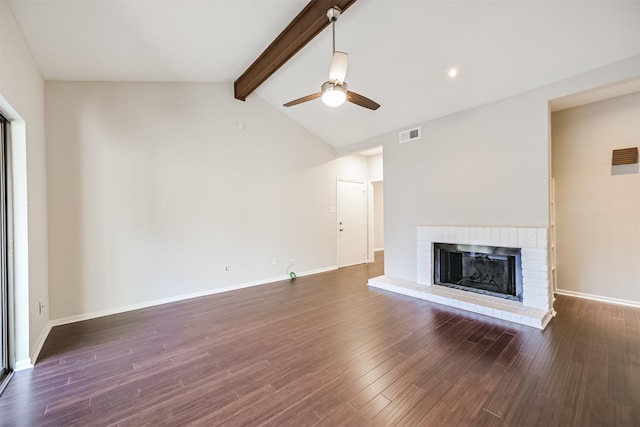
(452, 72)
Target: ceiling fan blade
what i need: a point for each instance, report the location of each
(362, 101)
(303, 99)
(338, 68)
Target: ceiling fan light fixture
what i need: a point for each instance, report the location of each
(334, 94)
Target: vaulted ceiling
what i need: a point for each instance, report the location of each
(400, 50)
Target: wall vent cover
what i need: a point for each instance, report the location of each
(410, 135)
(625, 156)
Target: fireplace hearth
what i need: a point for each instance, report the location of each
(534, 303)
(487, 270)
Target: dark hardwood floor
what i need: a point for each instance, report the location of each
(326, 350)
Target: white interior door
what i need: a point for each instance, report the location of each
(351, 210)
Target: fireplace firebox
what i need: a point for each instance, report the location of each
(488, 270)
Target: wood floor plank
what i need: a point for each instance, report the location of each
(326, 350)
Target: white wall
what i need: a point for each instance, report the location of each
(597, 214)
(375, 168)
(378, 215)
(153, 188)
(22, 99)
(481, 167)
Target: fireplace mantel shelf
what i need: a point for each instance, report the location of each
(512, 311)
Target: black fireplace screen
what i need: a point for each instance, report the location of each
(489, 270)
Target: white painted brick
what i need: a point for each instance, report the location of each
(495, 236)
(535, 301)
(479, 232)
(483, 310)
(541, 238)
(506, 315)
(534, 252)
(457, 233)
(526, 275)
(536, 292)
(536, 283)
(528, 321)
(444, 237)
(534, 265)
(512, 316)
(534, 258)
(465, 236)
(535, 268)
(522, 238)
(431, 232)
(536, 305)
(531, 238)
(504, 237)
(421, 233)
(437, 234)
(486, 236)
(540, 268)
(423, 279)
(513, 238)
(473, 236)
(497, 313)
(476, 236)
(436, 298)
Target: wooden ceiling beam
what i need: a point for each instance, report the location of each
(304, 27)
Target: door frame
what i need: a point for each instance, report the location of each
(367, 243)
(17, 207)
(6, 291)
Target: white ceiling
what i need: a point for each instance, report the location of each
(399, 50)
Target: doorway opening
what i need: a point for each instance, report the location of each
(594, 233)
(360, 198)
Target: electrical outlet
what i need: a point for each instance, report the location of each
(274, 261)
(226, 268)
(40, 307)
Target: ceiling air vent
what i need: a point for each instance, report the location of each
(410, 135)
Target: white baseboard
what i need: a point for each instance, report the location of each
(146, 304)
(22, 365)
(41, 339)
(600, 298)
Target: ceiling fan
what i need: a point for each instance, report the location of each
(335, 91)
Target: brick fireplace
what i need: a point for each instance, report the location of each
(536, 307)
